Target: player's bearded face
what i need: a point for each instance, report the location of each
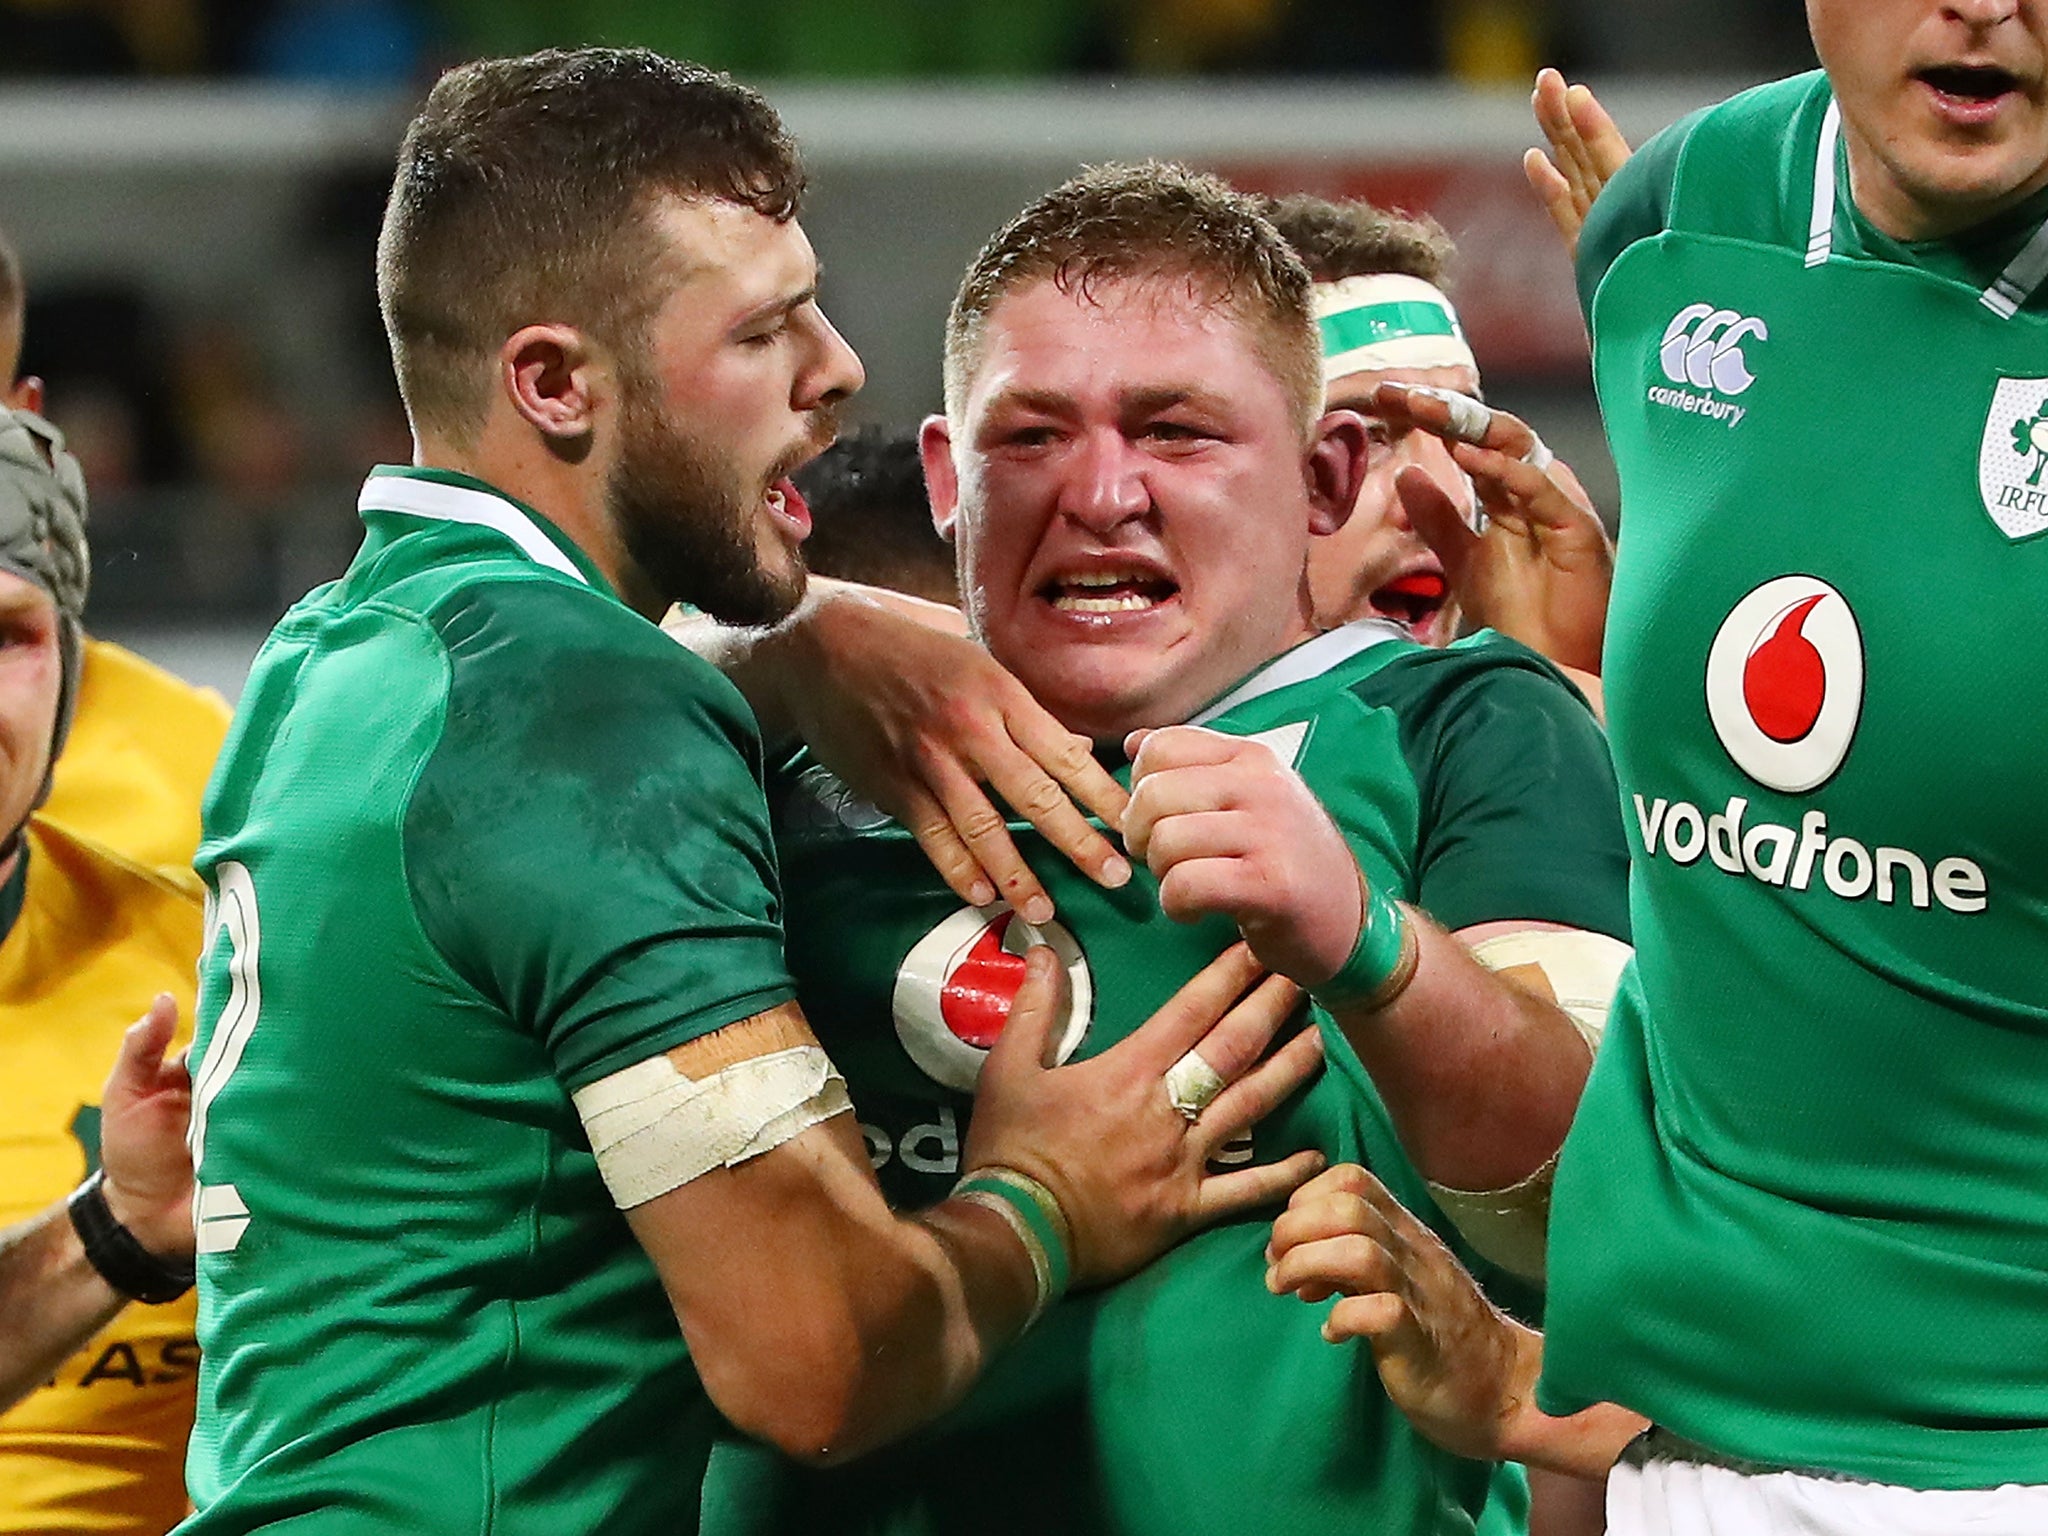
(689, 518)
(1944, 106)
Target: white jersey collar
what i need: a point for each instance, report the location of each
(439, 501)
(1311, 658)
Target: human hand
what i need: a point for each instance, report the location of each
(924, 724)
(1459, 1368)
(1129, 1169)
(1540, 571)
(1586, 149)
(1227, 827)
(145, 1112)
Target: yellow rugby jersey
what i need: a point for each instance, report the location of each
(142, 746)
(100, 1448)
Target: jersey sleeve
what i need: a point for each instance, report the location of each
(1519, 814)
(1635, 205)
(588, 846)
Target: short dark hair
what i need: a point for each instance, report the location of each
(1359, 239)
(871, 519)
(525, 192)
(1114, 222)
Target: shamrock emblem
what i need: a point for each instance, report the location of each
(2030, 436)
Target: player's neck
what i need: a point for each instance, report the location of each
(568, 493)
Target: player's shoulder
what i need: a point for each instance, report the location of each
(509, 621)
(128, 681)
(1422, 682)
(1741, 168)
(86, 897)
(1746, 169)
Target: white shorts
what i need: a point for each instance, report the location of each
(1688, 1498)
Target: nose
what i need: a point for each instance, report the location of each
(1979, 14)
(835, 370)
(1103, 485)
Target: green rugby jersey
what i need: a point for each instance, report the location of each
(480, 836)
(1803, 1214)
(1186, 1400)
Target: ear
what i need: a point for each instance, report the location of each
(555, 380)
(26, 394)
(941, 479)
(1338, 456)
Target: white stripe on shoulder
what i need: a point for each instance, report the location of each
(1312, 658)
(1820, 230)
(443, 503)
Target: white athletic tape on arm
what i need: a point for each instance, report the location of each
(1580, 970)
(1508, 1227)
(655, 1130)
(1387, 320)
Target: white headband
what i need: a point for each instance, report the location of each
(1387, 320)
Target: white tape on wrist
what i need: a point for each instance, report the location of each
(654, 1130)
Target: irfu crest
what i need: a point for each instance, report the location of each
(2012, 461)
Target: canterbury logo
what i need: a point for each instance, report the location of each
(1703, 347)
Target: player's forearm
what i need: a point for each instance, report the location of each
(51, 1300)
(766, 664)
(1480, 1077)
(820, 1320)
(890, 1328)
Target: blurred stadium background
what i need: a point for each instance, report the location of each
(194, 188)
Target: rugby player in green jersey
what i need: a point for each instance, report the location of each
(1134, 466)
(517, 1164)
(1801, 1220)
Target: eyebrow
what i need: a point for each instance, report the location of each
(1149, 402)
(1136, 402)
(784, 304)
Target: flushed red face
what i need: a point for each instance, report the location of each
(1944, 106)
(1134, 497)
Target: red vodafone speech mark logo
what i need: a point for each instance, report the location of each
(1785, 682)
(955, 988)
(975, 1000)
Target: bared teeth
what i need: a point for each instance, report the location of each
(1107, 591)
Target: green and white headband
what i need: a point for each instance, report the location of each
(1387, 320)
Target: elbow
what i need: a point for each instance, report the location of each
(807, 1397)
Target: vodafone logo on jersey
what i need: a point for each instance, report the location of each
(1785, 683)
(955, 987)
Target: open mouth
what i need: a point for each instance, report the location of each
(1969, 91)
(787, 506)
(1413, 599)
(1109, 590)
